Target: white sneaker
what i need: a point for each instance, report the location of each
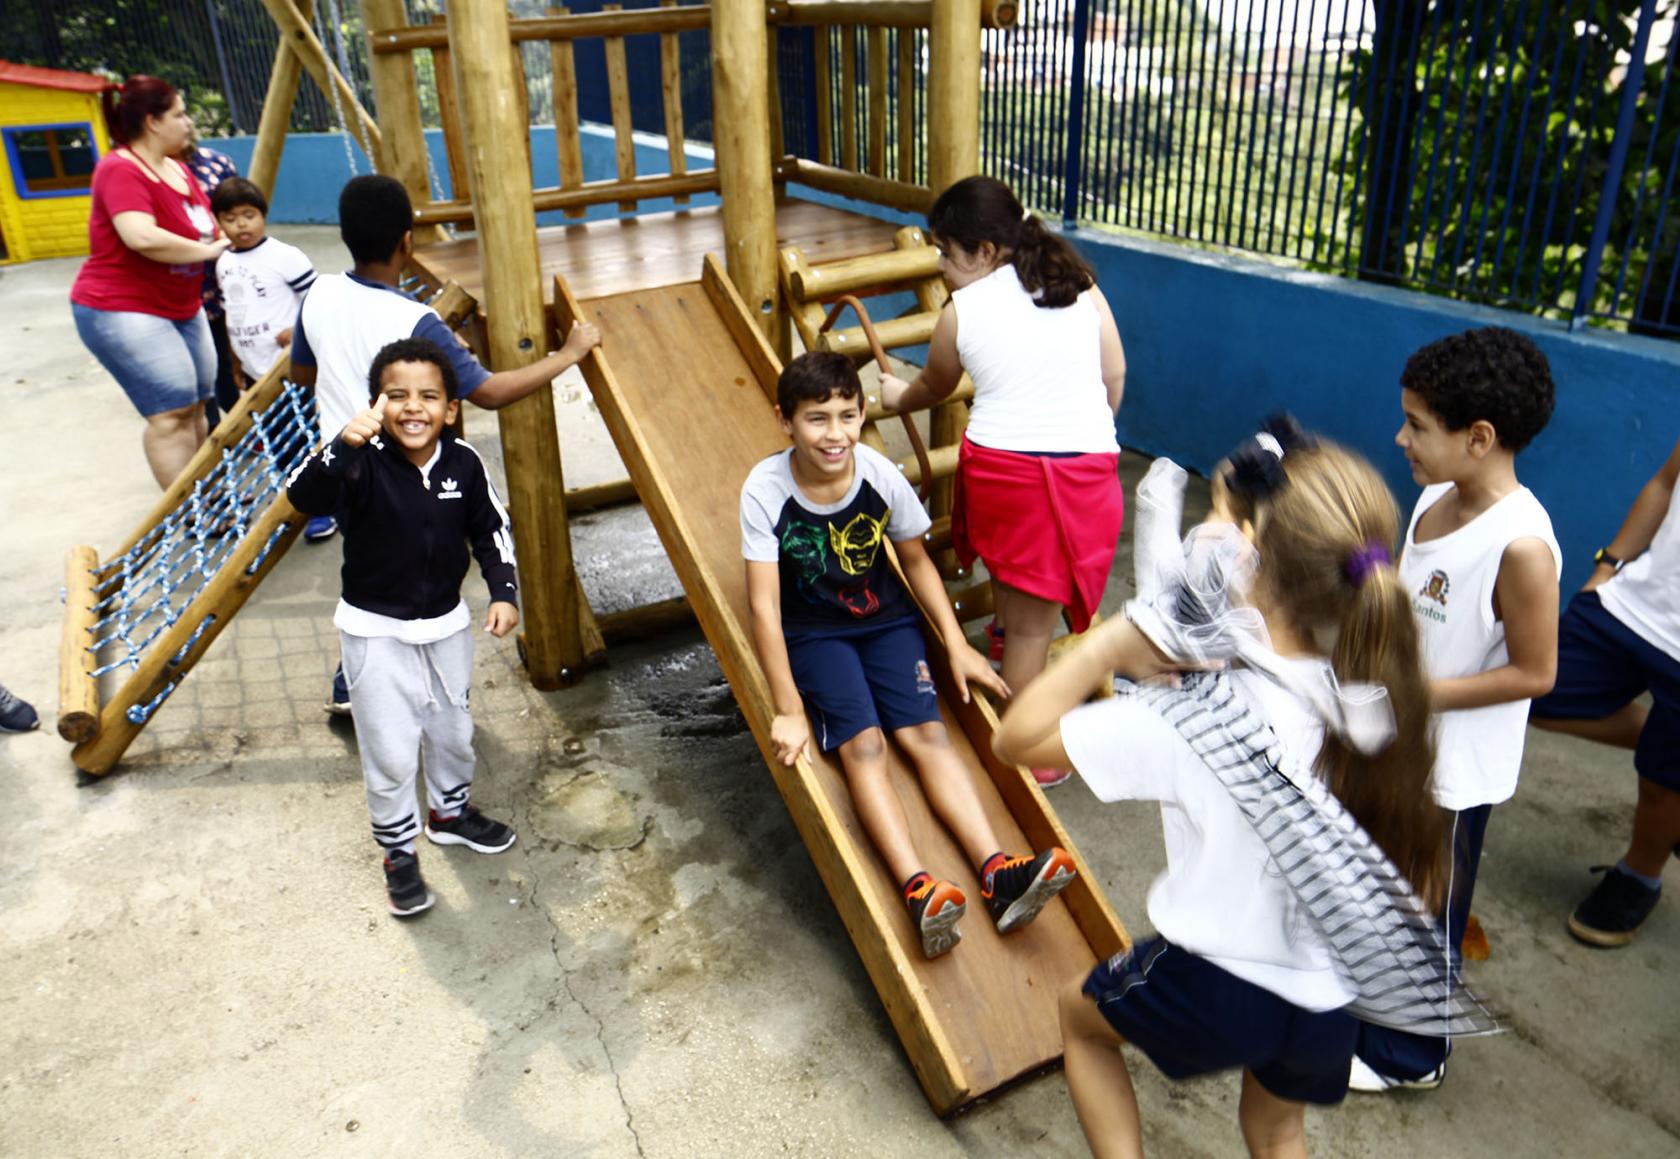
(1367, 1081)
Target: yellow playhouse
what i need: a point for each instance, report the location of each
(53, 132)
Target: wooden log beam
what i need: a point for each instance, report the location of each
(577, 25)
(295, 31)
(741, 131)
(173, 655)
(670, 84)
(913, 330)
(568, 141)
(648, 620)
(593, 498)
(402, 136)
(864, 187)
(906, 98)
(592, 193)
(78, 688)
(449, 114)
(848, 98)
(953, 94)
(823, 74)
(507, 227)
(618, 100)
(871, 272)
(277, 109)
(878, 413)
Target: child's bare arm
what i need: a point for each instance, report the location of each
(790, 731)
(1525, 597)
(937, 379)
(967, 665)
(1113, 354)
(1649, 509)
(1031, 730)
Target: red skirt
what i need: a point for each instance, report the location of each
(1046, 525)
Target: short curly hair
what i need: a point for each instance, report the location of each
(1490, 374)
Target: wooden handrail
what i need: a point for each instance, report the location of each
(592, 193)
(634, 22)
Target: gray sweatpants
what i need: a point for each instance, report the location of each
(409, 702)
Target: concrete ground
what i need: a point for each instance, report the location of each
(195, 957)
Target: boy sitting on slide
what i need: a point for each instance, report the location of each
(838, 636)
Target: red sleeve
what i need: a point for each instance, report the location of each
(126, 189)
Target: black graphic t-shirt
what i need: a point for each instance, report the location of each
(834, 573)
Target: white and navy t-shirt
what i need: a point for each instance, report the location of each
(834, 574)
(344, 322)
(261, 288)
(1451, 580)
(1645, 594)
(1221, 896)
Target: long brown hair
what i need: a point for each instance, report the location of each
(980, 209)
(1323, 538)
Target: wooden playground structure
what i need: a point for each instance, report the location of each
(692, 346)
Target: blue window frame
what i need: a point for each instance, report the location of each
(51, 160)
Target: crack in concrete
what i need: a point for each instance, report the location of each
(535, 878)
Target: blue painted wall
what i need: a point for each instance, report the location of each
(1214, 343)
(313, 168)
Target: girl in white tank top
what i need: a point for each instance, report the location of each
(1038, 495)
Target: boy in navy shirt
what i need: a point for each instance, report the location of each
(839, 638)
(412, 496)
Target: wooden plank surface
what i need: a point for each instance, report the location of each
(598, 258)
(984, 1014)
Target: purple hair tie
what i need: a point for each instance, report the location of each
(1361, 563)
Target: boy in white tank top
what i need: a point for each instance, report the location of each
(1620, 638)
(1482, 565)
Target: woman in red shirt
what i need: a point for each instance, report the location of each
(136, 299)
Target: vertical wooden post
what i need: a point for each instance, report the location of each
(670, 71)
(907, 142)
(822, 70)
(848, 97)
(953, 106)
(449, 114)
(568, 140)
(618, 98)
(500, 177)
(402, 136)
(741, 120)
(277, 109)
(953, 120)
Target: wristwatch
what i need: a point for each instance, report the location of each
(1602, 556)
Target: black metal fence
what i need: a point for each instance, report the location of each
(1523, 153)
(1516, 152)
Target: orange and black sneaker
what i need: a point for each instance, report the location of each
(935, 909)
(1016, 888)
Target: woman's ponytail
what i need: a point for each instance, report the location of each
(982, 209)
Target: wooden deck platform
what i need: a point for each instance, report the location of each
(681, 379)
(598, 258)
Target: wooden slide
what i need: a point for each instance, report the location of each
(683, 379)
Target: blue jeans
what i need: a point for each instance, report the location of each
(160, 364)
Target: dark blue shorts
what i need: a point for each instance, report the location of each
(1602, 666)
(863, 679)
(1193, 1018)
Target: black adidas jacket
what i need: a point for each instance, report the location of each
(406, 531)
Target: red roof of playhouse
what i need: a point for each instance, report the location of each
(51, 78)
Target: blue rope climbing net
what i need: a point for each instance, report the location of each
(142, 593)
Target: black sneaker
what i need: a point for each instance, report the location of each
(405, 889)
(1614, 910)
(16, 715)
(470, 828)
(339, 702)
(935, 909)
(1018, 887)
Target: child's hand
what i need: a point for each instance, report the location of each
(969, 667)
(790, 737)
(366, 424)
(893, 389)
(503, 618)
(284, 338)
(585, 336)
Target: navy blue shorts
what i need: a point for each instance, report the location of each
(863, 679)
(1602, 666)
(1192, 1017)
